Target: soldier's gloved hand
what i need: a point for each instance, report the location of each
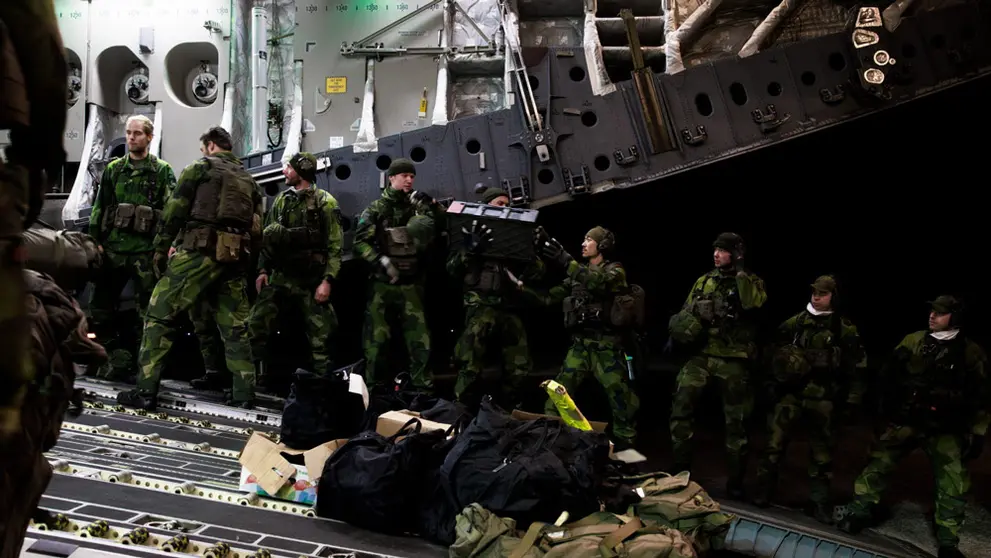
(737, 261)
(974, 448)
(478, 238)
(420, 198)
(540, 236)
(390, 268)
(552, 250)
(159, 262)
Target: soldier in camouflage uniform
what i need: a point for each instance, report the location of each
(716, 316)
(491, 296)
(300, 260)
(208, 336)
(936, 397)
(32, 67)
(819, 353)
(129, 201)
(390, 235)
(218, 208)
(596, 322)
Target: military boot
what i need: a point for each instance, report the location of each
(766, 483)
(950, 552)
(211, 381)
(821, 511)
(852, 523)
(263, 378)
(138, 399)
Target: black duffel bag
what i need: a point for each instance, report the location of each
(378, 483)
(321, 408)
(525, 470)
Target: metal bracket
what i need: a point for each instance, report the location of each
(769, 121)
(577, 184)
(519, 194)
(367, 47)
(623, 159)
(696, 136)
(832, 96)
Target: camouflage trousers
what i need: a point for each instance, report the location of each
(485, 324)
(945, 451)
(817, 414)
(604, 360)
(104, 303)
(733, 380)
(208, 335)
(194, 279)
(321, 320)
(402, 304)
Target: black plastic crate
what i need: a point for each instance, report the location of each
(512, 228)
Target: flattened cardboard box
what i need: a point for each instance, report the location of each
(393, 421)
(266, 469)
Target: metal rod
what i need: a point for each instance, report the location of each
(471, 21)
(650, 98)
(399, 21)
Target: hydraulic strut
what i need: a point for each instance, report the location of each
(646, 86)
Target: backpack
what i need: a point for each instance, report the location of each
(70, 258)
(629, 308)
(482, 534)
(677, 502)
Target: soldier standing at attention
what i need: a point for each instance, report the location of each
(819, 354)
(33, 94)
(491, 294)
(218, 208)
(589, 295)
(391, 235)
(717, 309)
(129, 202)
(300, 260)
(936, 398)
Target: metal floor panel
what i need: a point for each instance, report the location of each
(165, 430)
(240, 518)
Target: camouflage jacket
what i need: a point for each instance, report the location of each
(938, 383)
(730, 332)
(395, 207)
(149, 181)
(599, 282)
(33, 94)
(486, 282)
(288, 215)
(836, 337)
(176, 214)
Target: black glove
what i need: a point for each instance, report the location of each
(553, 251)
(974, 448)
(420, 198)
(737, 261)
(477, 239)
(540, 236)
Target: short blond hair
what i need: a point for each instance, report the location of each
(146, 123)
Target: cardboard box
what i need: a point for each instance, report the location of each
(270, 469)
(393, 421)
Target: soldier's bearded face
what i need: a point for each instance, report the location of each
(590, 248)
(822, 301)
(292, 178)
(137, 140)
(939, 321)
(721, 258)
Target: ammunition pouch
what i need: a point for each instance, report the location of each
(486, 279)
(822, 358)
(197, 239)
(145, 218)
(578, 312)
(684, 327)
(227, 246)
(790, 364)
(399, 243)
(705, 310)
(124, 216)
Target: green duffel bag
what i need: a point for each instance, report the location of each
(600, 535)
(677, 502)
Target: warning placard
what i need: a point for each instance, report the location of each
(337, 85)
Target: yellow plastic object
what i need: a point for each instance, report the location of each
(565, 405)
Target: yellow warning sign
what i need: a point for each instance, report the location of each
(337, 85)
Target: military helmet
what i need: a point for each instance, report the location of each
(421, 228)
(491, 193)
(729, 241)
(684, 327)
(789, 363)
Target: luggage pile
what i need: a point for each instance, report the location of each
(499, 485)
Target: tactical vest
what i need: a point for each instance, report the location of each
(397, 243)
(14, 108)
(308, 242)
(486, 278)
(718, 307)
(938, 386)
(616, 310)
(223, 212)
(819, 344)
(139, 218)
